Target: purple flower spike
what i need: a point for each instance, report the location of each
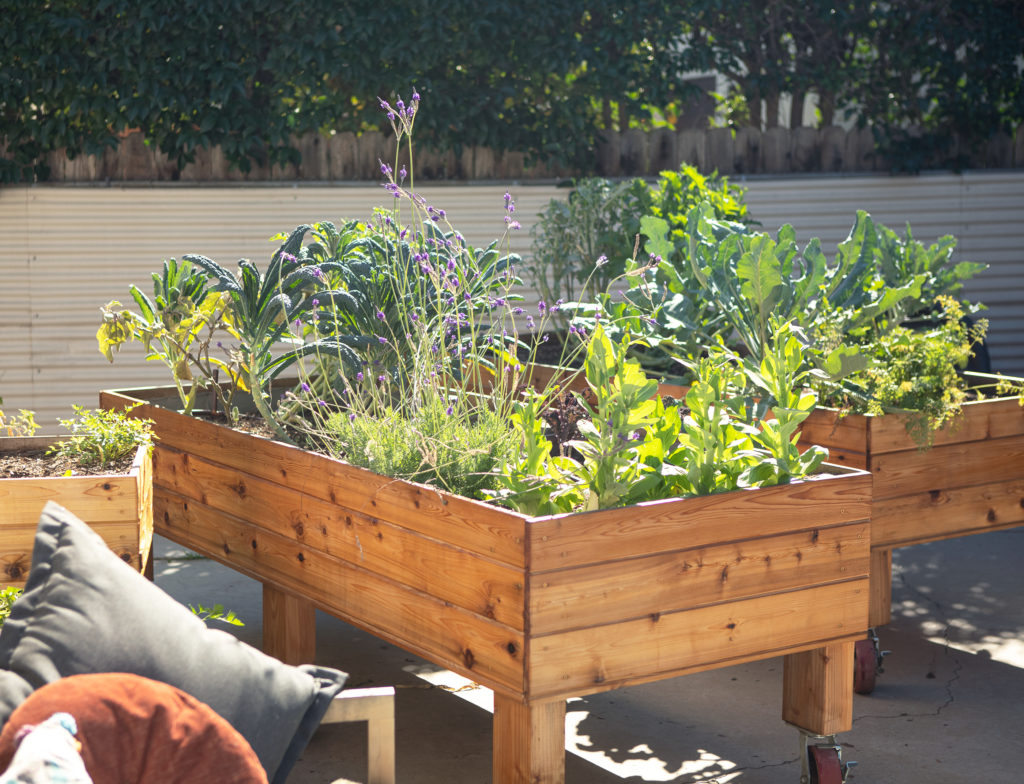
(305, 387)
(416, 96)
(351, 417)
(448, 411)
(359, 376)
(402, 174)
(380, 315)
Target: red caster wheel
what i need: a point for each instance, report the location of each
(865, 666)
(822, 760)
(824, 765)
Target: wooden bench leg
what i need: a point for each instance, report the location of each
(529, 742)
(817, 689)
(377, 708)
(289, 627)
(880, 595)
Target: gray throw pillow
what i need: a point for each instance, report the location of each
(86, 611)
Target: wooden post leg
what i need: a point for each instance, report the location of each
(289, 627)
(529, 742)
(817, 689)
(880, 597)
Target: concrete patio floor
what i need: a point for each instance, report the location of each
(949, 708)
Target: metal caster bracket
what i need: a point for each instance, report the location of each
(821, 760)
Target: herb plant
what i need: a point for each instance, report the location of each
(434, 322)
(428, 444)
(916, 372)
(19, 425)
(99, 438)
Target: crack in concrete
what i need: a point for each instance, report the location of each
(947, 650)
(742, 769)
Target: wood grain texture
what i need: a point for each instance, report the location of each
(880, 600)
(619, 654)
(473, 645)
(289, 627)
(980, 421)
(662, 526)
(117, 506)
(89, 497)
(948, 512)
(452, 574)
(647, 586)
(825, 426)
(472, 525)
(946, 466)
(529, 742)
(817, 689)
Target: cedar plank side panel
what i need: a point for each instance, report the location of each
(16, 542)
(620, 654)
(473, 525)
(472, 645)
(660, 526)
(951, 465)
(666, 582)
(826, 427)
(942, 514)
(981, 420)
(89, 497)
(465, 579)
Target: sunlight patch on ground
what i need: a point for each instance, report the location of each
(961, 634)
(641, 762)
(1008, 650)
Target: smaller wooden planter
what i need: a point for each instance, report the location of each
(119, 507)
(970, 481)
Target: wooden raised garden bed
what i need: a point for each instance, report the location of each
(537, 609)
(970, 481)
(119, 507)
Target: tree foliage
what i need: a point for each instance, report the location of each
(538, 77)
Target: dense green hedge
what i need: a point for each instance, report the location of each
(248, 74)
(541, 77)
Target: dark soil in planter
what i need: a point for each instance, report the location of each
(36, 463)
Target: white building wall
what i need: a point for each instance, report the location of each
(67, 250)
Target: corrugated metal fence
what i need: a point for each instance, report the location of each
(69, 249)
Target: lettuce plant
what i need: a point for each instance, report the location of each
(634, 446)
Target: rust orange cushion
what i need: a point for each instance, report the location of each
(135, 730)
